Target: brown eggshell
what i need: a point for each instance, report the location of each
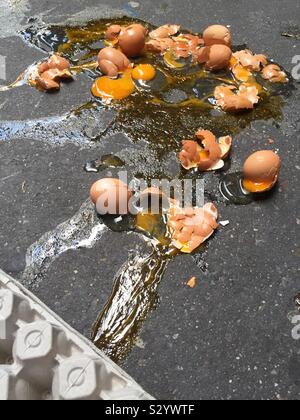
(114, 56)
(59, 63)
(217, 34)
(111, 196)
(108, 68)
(274, 73)
(218, 57)
(132, 40)
(164, 31)
(47, 83)
(43, 67)
(262, 166)
(113, 32)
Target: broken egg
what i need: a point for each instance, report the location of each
(191, 227)
(218, 57)
(112, 62)
(114, 89)
(50, 80)
(233, 99)
(274, 73)
(145, 72)
(164, 31)
(261, 171)
(247, 59)
(217, 34)
(132, 40)
(51, 72)
(209, 155)
(111, 196)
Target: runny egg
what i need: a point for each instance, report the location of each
(114, 89)
(217, 34)
(111, 196)
(145, 72)
(261, 171)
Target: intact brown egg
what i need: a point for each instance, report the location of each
(111, 196)
(112, 61)
(218, 57)
(261, 171)
(217, 34)
(132, 40)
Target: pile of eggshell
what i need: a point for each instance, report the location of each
(213, 50)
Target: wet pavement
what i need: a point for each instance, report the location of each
(231, 336)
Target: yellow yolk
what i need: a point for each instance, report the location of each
(254, 84)
(204, 155)
(241, 73)
(107, 88)
(144, 72)
(256, 187)
(233, 62)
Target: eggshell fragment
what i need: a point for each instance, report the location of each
(261, 171)
(58, 62)
(111, 196)
(191, 227)
(132, 40)
(161, 45)
(274, 73)
(164, 31)
(50, 80)
(217, 34)
(250, 61)
(218, 57)
(112, 61)
(113, 32)
(231, 99)
(207, 158)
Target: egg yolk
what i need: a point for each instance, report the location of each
(204, 155)
(241, 73)
(144, 72)
(256, 187)
(107, 88)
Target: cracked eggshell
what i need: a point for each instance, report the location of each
(111, 196)
(219, 57)
(58, 62)
(191, 227)
(112, 61)
(274, 73)
(113, 32)
(164, 31)
(217, 34)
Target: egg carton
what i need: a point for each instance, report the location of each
(43, 358)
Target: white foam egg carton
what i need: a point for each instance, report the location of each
(43, 358)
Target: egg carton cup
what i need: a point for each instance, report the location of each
(43, 358)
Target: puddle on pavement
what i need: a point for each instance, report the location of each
(161, 113)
